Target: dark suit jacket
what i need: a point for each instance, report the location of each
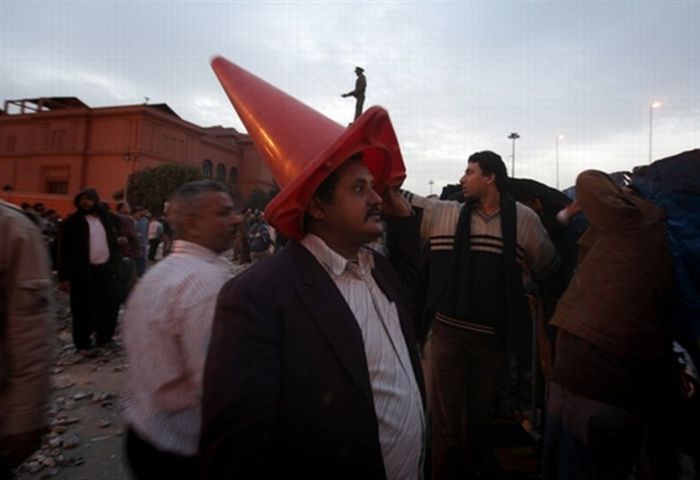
(286, 384)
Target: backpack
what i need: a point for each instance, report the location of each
(258, 237)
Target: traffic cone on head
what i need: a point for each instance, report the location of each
(302, 146)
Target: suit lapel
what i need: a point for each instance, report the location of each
(333, 317)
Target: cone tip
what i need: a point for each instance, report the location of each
(216, 59)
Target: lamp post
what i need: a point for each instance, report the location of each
(652, 107)
(559, 137)
(431, 183)
(513, 136)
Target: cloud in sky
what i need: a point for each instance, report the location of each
(456, 77)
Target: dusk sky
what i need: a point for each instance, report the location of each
(456, 77)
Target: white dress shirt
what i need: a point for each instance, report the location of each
(397, 400)
(167, 325)
(99, 249)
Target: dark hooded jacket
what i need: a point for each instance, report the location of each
(74, 240)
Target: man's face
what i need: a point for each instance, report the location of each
(216, 221)
(86, 203)
(475, 185)
(353, 217)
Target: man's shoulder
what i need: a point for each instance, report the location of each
(11, 210)
(269, 277)
(526, 214)
(186, 278)
(72, 219)
(15, 220)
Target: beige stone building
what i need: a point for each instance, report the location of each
(50, 148)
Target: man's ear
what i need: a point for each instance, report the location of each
(316, 209)
(491, 178)
(191, 225)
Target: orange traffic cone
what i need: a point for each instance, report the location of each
(302, 146)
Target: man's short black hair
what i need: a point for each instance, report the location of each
(184, 201)
(491, 164)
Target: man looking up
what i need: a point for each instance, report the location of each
(313, 371)
(478, 253)
(281, 383)
(166, 330)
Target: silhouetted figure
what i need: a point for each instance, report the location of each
(359, 92)
(26, 328)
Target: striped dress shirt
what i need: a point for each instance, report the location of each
(397, 400)
(167, 325)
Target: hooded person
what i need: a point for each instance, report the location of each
(312, 369)
(88, 263)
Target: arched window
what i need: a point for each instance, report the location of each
(207, 168)
(233, 176)
(221, 172)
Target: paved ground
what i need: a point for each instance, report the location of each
(85, 437)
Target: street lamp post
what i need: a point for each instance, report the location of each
(513, 136)
(431, 183)
(652, 107)
(559, 137)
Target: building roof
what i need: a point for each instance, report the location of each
(163, 107)
(45, 103)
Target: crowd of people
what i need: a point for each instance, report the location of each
(312, 362)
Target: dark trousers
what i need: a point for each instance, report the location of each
(5, 469)
(93, 302)
(586, 439)
(149, 463)
(358, 106)
(141, 260)
(126, 278)
(153, 249)
(466, 371)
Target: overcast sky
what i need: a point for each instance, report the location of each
(456, 76)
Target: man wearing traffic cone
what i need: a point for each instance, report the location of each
(312, 368)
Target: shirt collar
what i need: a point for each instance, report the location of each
(196, 250)
(333, 262)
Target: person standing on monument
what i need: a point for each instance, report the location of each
(359, 92)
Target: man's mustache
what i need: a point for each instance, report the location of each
(373, 211)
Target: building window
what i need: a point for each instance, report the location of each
(207, 168)
(58, 187)
(56, 178)
(233, 176)
(221, 172)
